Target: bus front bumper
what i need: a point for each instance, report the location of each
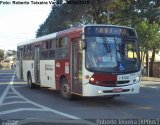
(94, 90)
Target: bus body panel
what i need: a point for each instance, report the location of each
(131, 87)
(47, 73)
(28, 66)
(94, 90)
(17, 69)
(62, 69)
(129, 83)
(51, 71)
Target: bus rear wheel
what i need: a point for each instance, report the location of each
(29, 80)
(65, 89)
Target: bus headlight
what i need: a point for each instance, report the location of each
(99, 92)
(137, 79)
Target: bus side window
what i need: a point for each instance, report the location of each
(63, 42)
(53, 44)
(48, 44)
(62, 48)
(44, 50)
(51, 50)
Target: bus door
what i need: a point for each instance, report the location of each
(21, 63)
(37, 64)
(76, 66)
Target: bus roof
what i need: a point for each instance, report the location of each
(51, 36)
(61, 33)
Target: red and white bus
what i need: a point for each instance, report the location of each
(90, 60)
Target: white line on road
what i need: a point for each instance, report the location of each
(10, 93)
(44, 107)
(9, 97)
(20, 109)
(15, 102)
(4, 95)
(10, 86)
(40, 107)
(6, 90)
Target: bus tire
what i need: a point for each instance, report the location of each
(65, 89)
(29, 80)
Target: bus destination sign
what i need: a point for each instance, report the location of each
(108, 31)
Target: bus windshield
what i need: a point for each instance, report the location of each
(112, 54)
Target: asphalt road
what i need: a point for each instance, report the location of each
(21, 105)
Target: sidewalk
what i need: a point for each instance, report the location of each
(144, 78)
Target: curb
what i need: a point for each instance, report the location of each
(150, 79)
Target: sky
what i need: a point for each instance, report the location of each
(19, 23)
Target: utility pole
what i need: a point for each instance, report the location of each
(147, 63)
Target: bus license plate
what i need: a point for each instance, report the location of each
(118, 90)
(123, 77)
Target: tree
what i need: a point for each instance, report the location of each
(149, 37)
(1, 54)
(144, 15)
(65, 15)
(10, 54)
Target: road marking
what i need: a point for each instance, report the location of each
(10, 86)
(20, 109)
(4, 95)
(21, 83)
(40, 107)
(10, 93)
(6, 90)
(43, 107)
(9, 97)
(15, 102)
(6, 73)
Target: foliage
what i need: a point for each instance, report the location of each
(11, 53)
(1, 54)
(1, 66)
(67, 15)
(144, 15)
(148, 35)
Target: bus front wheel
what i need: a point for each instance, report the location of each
(65, 89)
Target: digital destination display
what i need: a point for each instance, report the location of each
(108, 31)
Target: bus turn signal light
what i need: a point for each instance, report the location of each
(92, 79)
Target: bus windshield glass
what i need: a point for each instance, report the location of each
(112, 54)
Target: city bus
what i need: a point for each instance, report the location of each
(88, 60)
